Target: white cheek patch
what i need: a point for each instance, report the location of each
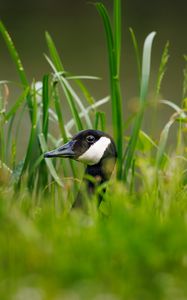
(93, 155)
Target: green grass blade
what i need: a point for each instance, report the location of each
(20, 70)
(74, 111)
(2, 143)
(117, 32)
(14, 54)
(100, 121)
(9, 136)
(11, 114)
(84, 90)
(59, 113)
(17, 61)
(96, 121)
(94, 106)
(109, 35)
(68, 96)
(36, 164)
(162, 68)
(61, 126)
(57, 66)
(162, 144)
(49, 161)
(45, 100)
(54, 53)
(80, 77)
(137, 53)
(32, 140)
(146, 63)
(75, 97)
(113, 56)
(174, 106)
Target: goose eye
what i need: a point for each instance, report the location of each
(90, 138)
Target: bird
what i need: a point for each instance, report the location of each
(97, 150)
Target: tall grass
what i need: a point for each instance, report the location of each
(44, 108)
(134, 245)
(113, 37)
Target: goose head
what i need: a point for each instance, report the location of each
(90, 147)
(94, 148)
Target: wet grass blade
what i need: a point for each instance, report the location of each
(146, 63)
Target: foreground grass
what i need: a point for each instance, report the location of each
(132, 253)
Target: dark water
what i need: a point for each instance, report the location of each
(78, 33)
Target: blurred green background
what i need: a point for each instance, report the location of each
(79, 36)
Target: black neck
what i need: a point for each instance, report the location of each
(94, 176)
(99, 173)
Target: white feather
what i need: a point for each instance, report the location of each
(93, 155)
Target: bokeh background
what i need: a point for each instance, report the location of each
(78, 33)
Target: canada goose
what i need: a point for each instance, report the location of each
(94, 148)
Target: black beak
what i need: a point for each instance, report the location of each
(64, 151)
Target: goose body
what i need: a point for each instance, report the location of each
(94, 148)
